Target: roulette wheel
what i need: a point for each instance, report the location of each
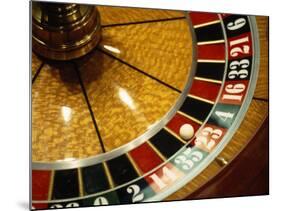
(155, 106)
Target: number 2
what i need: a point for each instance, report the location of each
(240, 48)
(137, 195)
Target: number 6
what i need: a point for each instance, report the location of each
(237, 24)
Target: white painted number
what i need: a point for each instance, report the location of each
(237, 24)
(239, 41)
(56, 206)
(233, 91)
(224, 115)
(208, 138)
(235, 88)
(242, 72)
(168, 176)
(135, 190)
(242, 49)
(69, 205)
(187, 159)
(74, 204)
(101, 201)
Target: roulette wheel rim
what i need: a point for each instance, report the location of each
(219, 147)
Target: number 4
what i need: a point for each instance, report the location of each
(224, 115)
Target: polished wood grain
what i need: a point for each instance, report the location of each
(125, 102)
(162, 49)
(123, 15)
(61, 123)
(262, 84)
